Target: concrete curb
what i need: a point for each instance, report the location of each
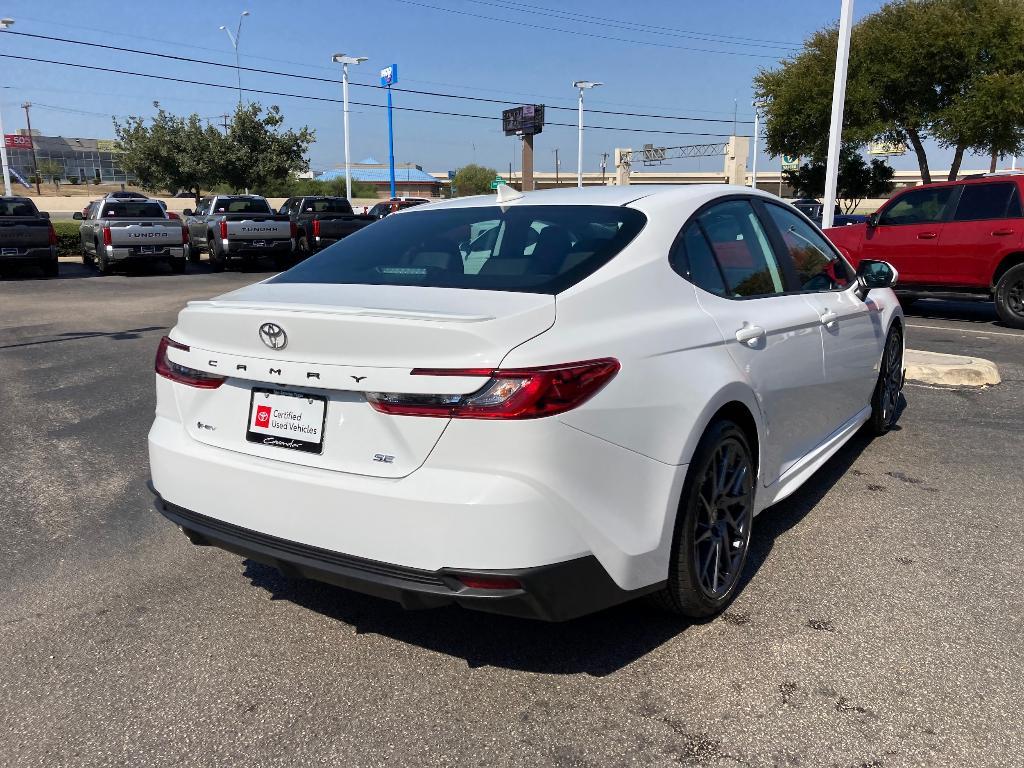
(950, 370)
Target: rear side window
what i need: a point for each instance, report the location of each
(17, 207)
(984, 201)
(241, 205)
(918, 206)
(529, 249)
(130, 209)
(693, 259)
(741, 249)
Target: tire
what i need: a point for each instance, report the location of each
(216, 259)
(178, 266)
(302, 251)
(711, 522)
(885, 399)
(102, 264)
(1009, 297)
(50, 268)
(194, 254)
(87, 260)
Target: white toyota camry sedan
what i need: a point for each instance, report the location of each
(535, 404)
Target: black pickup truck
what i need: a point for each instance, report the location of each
(26, 235)
(321, 221)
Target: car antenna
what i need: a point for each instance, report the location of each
(507, 193)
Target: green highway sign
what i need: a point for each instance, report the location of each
(498, 181)
(790, 162)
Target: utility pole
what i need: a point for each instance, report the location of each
(35, 162)
(557, 182)
(5, 24)
(225, 119)
(604, 166)
(835, 136)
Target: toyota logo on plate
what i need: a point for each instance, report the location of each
(273, 336)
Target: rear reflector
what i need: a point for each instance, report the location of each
(180, 373)
(522, 393)
(294, 229)
(223, 229)
(316, 227)
(489, 582)
(53, 235)
(184, 234)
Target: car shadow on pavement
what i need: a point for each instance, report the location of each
(978, 312)
(125, 335)
(597, 645)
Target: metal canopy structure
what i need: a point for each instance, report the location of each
(652, 155)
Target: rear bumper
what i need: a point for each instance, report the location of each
(242, 248)
(158, 254)
(22, 255)
(555, 592)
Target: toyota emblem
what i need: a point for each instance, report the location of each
(273, 336)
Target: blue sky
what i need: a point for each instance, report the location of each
(484, 48)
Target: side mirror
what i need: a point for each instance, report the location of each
(875, 274)
(77, 216)
(187, 212)
(873, 219)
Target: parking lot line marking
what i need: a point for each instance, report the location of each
(967, 330)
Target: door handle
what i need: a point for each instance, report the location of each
(927, 236)
(750, 334)
(1002, 232)
(828, 318)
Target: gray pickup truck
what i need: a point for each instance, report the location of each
(26, 235)
(117, 231)
(239, 226)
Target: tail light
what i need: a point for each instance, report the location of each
(184, 234)
(294, 229)
(523, 393)
(223, 229)
(316, 228)
(53, 235)
(106, 236)
(180, 373)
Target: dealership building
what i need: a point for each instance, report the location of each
(83, 160)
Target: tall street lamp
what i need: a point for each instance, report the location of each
(757, 105)
(581, 85)
(344, 60)
(4, 24)
(234, 44)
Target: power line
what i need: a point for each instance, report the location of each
(313, 78)
(186, 81)
(564, 31)
(632, 26)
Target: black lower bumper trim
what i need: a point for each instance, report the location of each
(554, 592)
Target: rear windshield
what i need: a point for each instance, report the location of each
(17, 207)
(241, 205)
(529, 249)
(326, 205)
(130, 209)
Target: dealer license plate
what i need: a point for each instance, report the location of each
(260, 243)
(283, 419)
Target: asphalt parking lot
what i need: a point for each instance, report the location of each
(880, 623)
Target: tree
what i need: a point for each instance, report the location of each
(858, 179)
(171, 153)
(258, 152)
(474, 179)
(53, 170)
(295, 187)
(945, 69)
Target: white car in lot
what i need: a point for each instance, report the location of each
(596, 409)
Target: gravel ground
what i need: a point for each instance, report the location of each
(880, 622)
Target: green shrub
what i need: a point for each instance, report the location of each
(69, 243)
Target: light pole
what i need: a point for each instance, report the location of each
(235, 38)
(4, 24)
(341, 58)
(581, 85)
(757, 133)
(835, 136)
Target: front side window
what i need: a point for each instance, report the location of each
(529, 249)
(918, 206)
(984, 201)
(818, 267)
(741, 249)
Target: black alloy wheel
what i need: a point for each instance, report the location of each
(885, 401)
(712, 535)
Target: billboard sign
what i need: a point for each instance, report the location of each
(526, 120)
(886, 148)
(389, 75)
(17, 141)
(790, 162)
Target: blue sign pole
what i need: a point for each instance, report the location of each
(388, 77)
(391, 144)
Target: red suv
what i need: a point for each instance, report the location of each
(952, 237)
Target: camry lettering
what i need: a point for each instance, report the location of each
(275, 371)
(312, 375)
